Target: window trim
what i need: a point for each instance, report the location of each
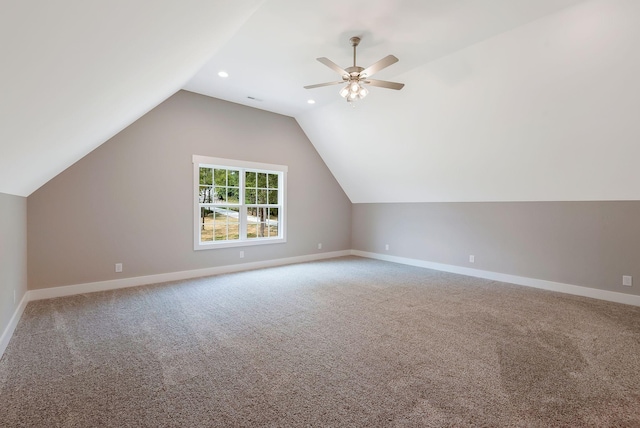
(208, 161)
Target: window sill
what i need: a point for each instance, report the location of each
(243, 243)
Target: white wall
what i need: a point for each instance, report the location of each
(545, 112)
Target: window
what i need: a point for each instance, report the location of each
(238, 203)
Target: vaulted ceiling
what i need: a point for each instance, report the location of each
(504, 99)
(75, 73)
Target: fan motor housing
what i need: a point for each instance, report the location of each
(354, 71)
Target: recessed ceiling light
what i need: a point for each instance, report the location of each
(311, 101)
(223, 74)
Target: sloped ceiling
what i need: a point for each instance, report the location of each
(74, 73)
(274, 54)
(504, 99)
(545, 112)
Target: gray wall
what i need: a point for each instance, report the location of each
(130, 200)
(590, 244)
(13, 255)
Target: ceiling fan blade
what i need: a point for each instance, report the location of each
(383, 63)
(332, 65)
(384, 84)
(323, 84)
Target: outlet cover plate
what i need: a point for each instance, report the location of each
(627, 280)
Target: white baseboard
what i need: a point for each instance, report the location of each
(611, 296)
(13, 322)
(47, 293)
(69, 290)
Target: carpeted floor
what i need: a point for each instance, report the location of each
(342, 342)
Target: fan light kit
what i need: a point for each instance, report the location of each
(357, 77)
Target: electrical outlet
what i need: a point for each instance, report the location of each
(320, 246)
(242, 254)
(386, 247)
(627, 280)
(118, 267)
(472, 258)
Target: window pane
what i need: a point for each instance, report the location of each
(233, 222)
(226, 224)
(273, 215)
(262, 180)
(220, 194)
(206, 176)
(220, 224)
(256, 225)
(206, 232)
(273, 197)
(206, 224)
(206, 215)
(252, 220)
(233, 195)
(262, 196)
(273, 230)
(250, 196)
(250, 179)
(220, 177)
(259, 222)
(273, 181)
(234, 178)
(263, 213)
(204, 195)
(273, 222)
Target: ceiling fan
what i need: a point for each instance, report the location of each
(357, 77)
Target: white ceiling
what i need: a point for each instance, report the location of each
(545, 112)
(274, 54)
(504, 99)
(74, 73)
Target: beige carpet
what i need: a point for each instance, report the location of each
(343, 342)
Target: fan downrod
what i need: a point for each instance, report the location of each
(355, 41)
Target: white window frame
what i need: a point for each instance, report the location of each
(212, 162)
